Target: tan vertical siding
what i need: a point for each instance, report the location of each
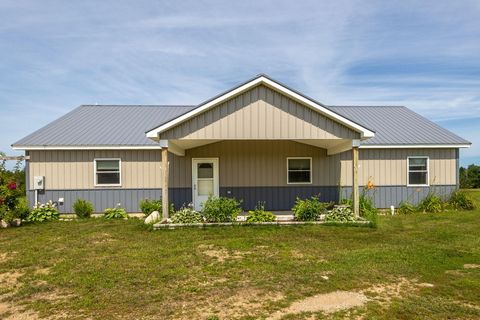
(260, 113)
(242, 163)
(388, 167)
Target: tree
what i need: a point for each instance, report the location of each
(470, 176)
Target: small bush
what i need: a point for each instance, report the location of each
(82, 208)
(431, 204)
(148, 206)
(406, 208)
(115, 213)
(340, 214)
(260, 214)
(309, 209)
(368, 209)
(460, 200)
(221, 209)
(43, 212)
(187, 215)
(22, 208)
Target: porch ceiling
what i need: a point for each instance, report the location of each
(333, 146)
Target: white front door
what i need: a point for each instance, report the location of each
(204, 180)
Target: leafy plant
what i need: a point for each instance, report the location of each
(309, 209)
(367, 209)
(148, 206)
(406, 208)
(22, 208)
(115, 213)
(431, 204)
(187, 214)
(340, 214)
(460, 200)
(221, 209)
(82, 208)
(260, 214)
(43, 212)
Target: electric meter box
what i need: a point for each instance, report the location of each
(38, 182)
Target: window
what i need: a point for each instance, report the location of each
(107, 172)
(299, 170)
(417, 171)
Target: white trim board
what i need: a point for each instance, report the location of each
(87, 147)
(413, 146)
(365, 133)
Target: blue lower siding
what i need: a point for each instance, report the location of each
(276, 198)
(108, 198)
(386, 196)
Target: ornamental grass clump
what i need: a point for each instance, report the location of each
(221, 209)
(187, 214)
(406, 207)
(460, 200)
(260, 214)
(431, 204)
(309, 209)
(82, 208)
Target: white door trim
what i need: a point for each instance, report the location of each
(216, 186)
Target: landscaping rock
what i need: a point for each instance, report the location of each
(4, 224)
(16, 223)
(153, 217)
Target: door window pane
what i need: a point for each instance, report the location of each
(205, 170)
(205, 187)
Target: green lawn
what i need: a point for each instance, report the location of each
(410, 267)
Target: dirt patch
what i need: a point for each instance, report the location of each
(43, 271)
(471, 266)
(343, 300)
(103, 237)
(10, 279)
(246, 302)
(327, 303)
(9, 311)
(221, 254)
(6, 256)
(297, 254)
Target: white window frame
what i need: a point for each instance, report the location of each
(311, 170)
(408, 171)
(96, 184)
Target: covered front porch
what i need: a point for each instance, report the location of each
(274, 172)
(260, 141)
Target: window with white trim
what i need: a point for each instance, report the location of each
(107, 172)
(299, 170)
(417, 171)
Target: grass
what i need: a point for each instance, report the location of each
(111, 269)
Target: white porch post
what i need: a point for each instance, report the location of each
(355, 196)
(165, 205)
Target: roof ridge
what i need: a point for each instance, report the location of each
(367, 106)
(138, 105)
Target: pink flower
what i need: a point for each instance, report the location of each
(12, 186)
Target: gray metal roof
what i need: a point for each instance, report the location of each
(117, 125)
(397, 125)
(103, 125)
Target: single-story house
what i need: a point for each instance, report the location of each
(260, 141)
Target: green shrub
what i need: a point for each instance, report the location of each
(148, 206)
(309, 209)
(82, 208)
(115, 213)
(22, 208)
(431, 204)
(460, 200)
(9, 216)
(406, 207)
(221, 209)
(368, 209)
(43, 212)
(260, 214)
(187, 215)
(340, 214)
